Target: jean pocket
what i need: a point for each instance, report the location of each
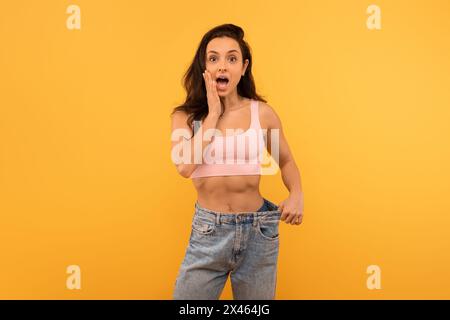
(203, 225)
(268, 228)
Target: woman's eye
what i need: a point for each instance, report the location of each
(232, 58)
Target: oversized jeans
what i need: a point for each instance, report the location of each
(243, 244)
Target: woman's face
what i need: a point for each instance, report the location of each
(224, 58)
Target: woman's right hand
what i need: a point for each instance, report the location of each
(214, 105)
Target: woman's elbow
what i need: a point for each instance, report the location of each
(184, 170)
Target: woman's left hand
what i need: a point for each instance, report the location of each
(292, 209)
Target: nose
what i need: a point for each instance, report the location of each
(222, 66)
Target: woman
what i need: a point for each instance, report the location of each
(234, 229)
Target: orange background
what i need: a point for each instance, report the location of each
(85, 170)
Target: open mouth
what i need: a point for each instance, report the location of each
(222, 82)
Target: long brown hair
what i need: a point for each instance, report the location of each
(196, 103)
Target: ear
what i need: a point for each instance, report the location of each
(245, 66)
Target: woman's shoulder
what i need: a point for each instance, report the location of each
(178, 113)
(179, 120)
(268, 117)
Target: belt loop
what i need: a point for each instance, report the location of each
(255, 216)
(217, 217)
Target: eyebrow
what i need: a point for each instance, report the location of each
(212, 51)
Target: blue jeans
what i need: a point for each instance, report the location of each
(243, 244)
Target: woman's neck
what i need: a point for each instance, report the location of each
(232, 103)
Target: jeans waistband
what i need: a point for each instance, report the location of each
(243, 216)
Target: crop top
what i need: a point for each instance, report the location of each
(238, 154)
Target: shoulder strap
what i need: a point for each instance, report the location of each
(255, 114)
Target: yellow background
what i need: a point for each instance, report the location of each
(86, 176)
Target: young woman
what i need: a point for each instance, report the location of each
(234, 229)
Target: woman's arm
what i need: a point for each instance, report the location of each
(292, 207)
(186, 165)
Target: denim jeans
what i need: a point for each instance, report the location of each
(243, 244)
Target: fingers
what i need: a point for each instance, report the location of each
(207, 83)
(288, 216)
(281, 206)
(283, 213)
(291, 217)
(214, 89)
(297, 219)
(211, 85)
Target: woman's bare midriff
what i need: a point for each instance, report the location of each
(229, 194)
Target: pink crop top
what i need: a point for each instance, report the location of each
(238, 154)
